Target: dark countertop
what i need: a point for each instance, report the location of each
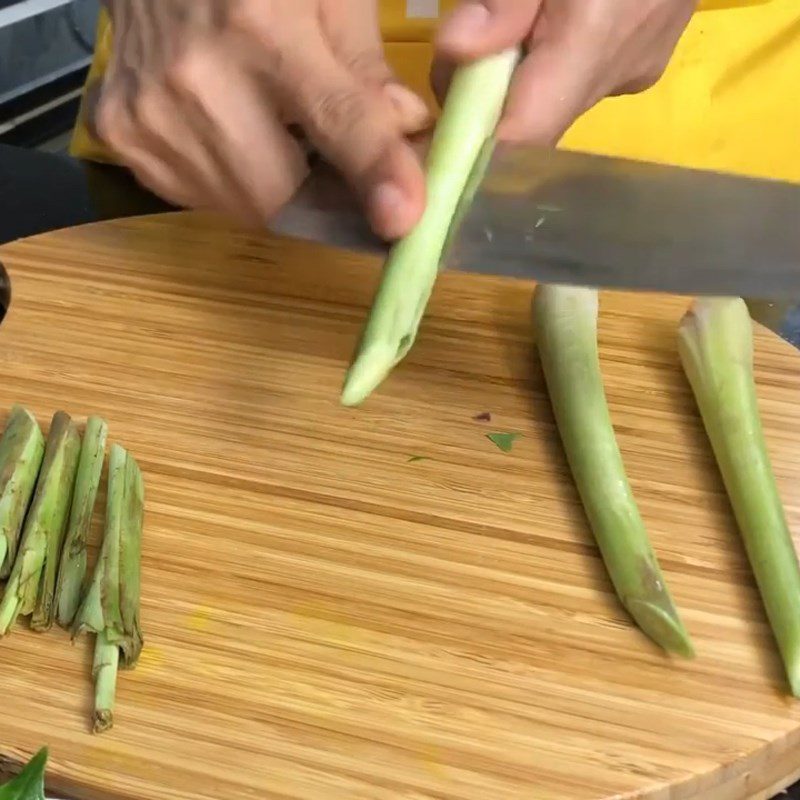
(43, 191)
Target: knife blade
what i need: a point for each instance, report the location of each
(561, 216)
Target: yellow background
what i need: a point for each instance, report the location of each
(729, 100)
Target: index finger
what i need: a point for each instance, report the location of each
(356, 128)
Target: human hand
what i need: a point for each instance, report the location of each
(577, 53)
(201, 98)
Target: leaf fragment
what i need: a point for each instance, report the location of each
(29, 784)
(505, 441)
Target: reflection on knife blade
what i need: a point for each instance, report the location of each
(566, 217)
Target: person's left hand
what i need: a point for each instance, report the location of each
(578, 52)
(202, 99)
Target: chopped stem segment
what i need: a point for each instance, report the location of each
(104, 670)
(566, 336)
(21, 453)
(72, 572)
(461, 145)
(715, 339)
(31, 586)
(130, 565)
(110, 608)
(66, 438)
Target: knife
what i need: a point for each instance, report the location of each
(561, 216)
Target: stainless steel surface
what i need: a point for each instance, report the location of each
(324, 210)
(41, 41)
(566, 217)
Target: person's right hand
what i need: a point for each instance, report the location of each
(577, 52)
(200, 95)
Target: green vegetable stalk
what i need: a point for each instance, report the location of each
(110, 608)
(462, 143)
(72, 573)
(715, 340)
(21, 452)
(31, 587)
(565, 319)
(29, 784)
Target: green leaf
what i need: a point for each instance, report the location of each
(418, 458)
(505, 441)
(29, 784)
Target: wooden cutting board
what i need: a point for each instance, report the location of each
(326, 619)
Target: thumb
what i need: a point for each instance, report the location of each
(479, 28)
(552, 87)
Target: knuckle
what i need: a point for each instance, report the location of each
(185, 73)
(368, 63)
(251, 22)
(337, 111)
(248, 17)
(109, 122)
(268, 206)
(148, 109)
(269, 186)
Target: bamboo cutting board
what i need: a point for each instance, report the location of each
(326, 619)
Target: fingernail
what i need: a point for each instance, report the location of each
(410, 106)
(465, 24)
(387, 207)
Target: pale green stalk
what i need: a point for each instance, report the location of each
(65, 436)
(565, 319)
(715, 340)
(31, 585)
(100, 605)
(72, 572)
(110, 607)
(104, 670)
(130, 565)
(21, 453)
(460, 147)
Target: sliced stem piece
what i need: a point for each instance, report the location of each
(104, 671)
(462, 143)
(68, 440)
(110, 607)
(21, 453)
(565, 319)
(130, 565)
(715, 339)
(72, 572)
(100, 606)
(31, 586)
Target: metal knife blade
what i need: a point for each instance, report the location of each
(560, 216)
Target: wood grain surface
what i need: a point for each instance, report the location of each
(326, 619)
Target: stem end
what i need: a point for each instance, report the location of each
(664, 627)
(103, 720)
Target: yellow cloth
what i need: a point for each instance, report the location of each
(728, 100)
